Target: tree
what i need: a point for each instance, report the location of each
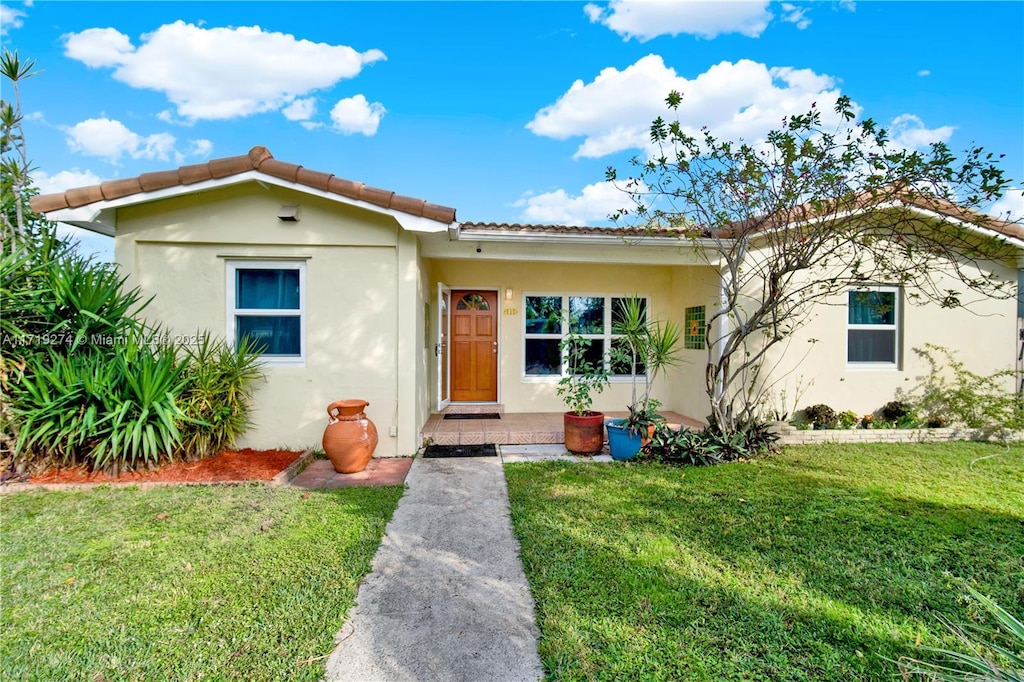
(803, 216)
(15, 213)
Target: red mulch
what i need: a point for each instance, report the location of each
(241, 465)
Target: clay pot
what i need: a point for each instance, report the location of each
(584, 434)
(350, 438)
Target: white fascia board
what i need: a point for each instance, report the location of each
(99, 217)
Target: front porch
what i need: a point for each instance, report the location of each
(513, 428)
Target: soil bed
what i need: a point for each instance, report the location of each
(240, 465)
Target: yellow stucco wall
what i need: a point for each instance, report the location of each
(813, 363)
(362, 285)
(671, 289)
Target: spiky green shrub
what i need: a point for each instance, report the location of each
(106, 410)
(219, 382)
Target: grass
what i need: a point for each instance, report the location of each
(183, 583)
(821, 563)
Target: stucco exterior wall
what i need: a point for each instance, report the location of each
(984, 336)
(670, 288)
(362, 288)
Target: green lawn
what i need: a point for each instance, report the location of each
(234, 583)
(816, 564)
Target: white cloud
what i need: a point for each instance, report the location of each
(745, 100)
(110, 140)
(909, 131)
(1011, 206)
(201, 148)
(98, 47)
(795, 15)
(63, 180)
(11, 18)
(355, 115)
(594, 204)
(219, 73)
(300, 109)
(311, 125)
(647, 19)
(924, 72)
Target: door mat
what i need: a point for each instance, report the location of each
(473, 415)
(435, 451)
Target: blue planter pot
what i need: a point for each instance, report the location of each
(622, 444)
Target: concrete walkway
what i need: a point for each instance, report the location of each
(447, 598)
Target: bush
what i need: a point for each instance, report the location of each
(216, 397)
(848, 419)
(86, 381)
(105, 411)
(710, 446)
(896, 411)
(821, 415)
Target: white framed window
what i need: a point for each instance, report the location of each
(548, 319)
(267, 303)
(873, 328)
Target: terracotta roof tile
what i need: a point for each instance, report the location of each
(258, 159)
(571, 230)
(190, 175)
(83, 195)
(115, 189)
(315, 179)
(346, 188)
(151, 182)
(232, 165)
(375, 195)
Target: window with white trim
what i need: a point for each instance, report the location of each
(872, 328)
(266, 303)
(548, 320)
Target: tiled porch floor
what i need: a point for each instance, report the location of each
(514, 428)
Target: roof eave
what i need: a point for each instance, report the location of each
(100, 216)
(569, 238)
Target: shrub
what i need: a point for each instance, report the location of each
(105, 411)
(896, 411)
(821, 415)
(936, 422)
(219, 382)
(848, 419)
(86, 382)
(710, 446)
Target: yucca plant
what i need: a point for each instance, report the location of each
(216, 399)
(645, 347)
(990, 654)
(107, 411)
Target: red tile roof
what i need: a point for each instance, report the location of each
(506, 228)
(258, 159)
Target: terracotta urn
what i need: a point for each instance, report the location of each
(350, 438)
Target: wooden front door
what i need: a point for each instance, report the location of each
(474, 346)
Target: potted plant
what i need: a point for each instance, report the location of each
(647, 346)
(583, 427)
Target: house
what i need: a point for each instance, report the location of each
(361, 292)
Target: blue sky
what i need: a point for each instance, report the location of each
(509, 112)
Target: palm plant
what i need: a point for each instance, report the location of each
(645, 347)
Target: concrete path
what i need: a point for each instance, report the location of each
(447, 598)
